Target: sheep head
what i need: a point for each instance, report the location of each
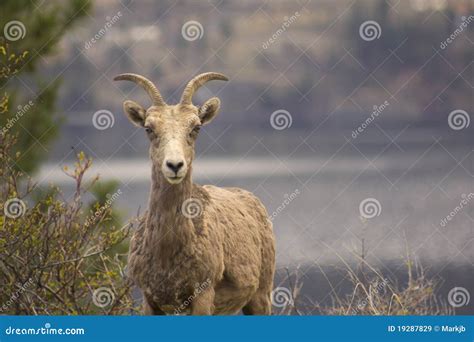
(172, 129)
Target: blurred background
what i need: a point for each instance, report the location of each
(349, 119)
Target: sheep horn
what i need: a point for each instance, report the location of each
(148, 85)
(197, 82)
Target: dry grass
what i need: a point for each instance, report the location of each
(373, 293)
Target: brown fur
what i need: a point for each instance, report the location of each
(229, 247)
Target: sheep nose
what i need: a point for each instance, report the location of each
(174, 166)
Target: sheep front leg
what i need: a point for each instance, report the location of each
(150, 309)
(203, 304)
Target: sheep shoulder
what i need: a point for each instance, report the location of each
(247, 235)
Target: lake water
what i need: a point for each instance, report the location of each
(315, 204)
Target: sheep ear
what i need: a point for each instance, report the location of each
(135, 113)
(209, 110)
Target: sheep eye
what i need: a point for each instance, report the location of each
(148, 130)
(194, 132)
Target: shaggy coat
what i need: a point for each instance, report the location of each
(201, 249)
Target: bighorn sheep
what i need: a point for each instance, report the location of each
(202, 249)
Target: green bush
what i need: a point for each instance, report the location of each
(57, 256)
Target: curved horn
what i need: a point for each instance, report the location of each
(146, 84)
(197, 82)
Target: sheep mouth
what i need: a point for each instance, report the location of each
(175, 179)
